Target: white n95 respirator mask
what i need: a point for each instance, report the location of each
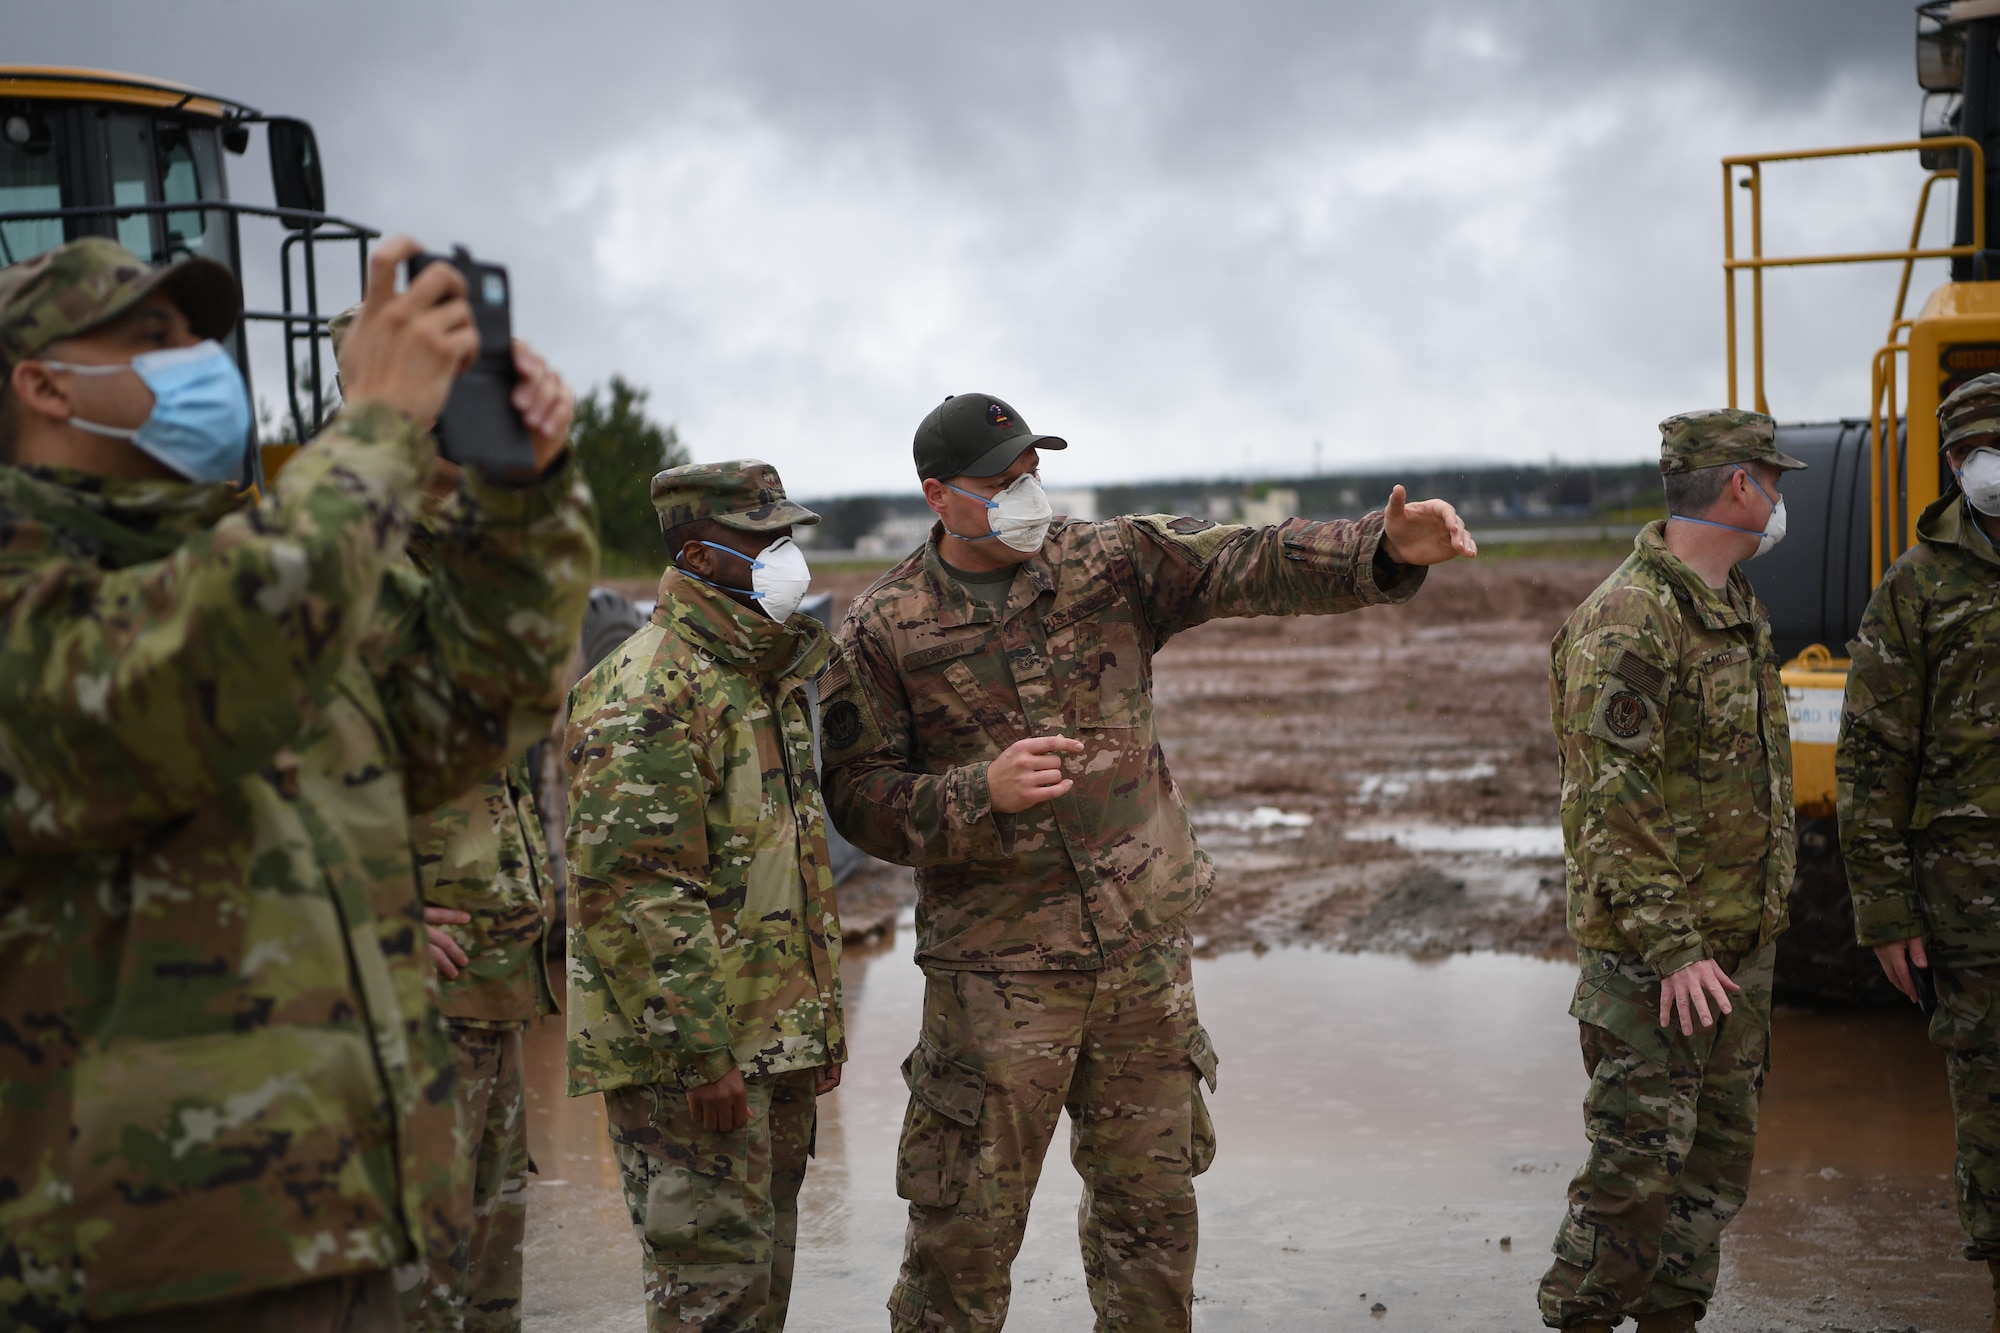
(1018, 515)
(779, 577)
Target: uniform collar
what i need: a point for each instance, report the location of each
(739, 636)
(112, 521)
(956, 606)
(1946, 521)
(1726, 608)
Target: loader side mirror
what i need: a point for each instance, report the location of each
(295, 178)
(1940, 55)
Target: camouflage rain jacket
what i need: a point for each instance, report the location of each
(483, 853)
(942, 685)
(221, 1063)
(703, 934)
(1920, 733)
(1676, 764)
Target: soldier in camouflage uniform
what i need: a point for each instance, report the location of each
(224, 1085)
(1918, 767)
(1678, 838)
(483, 869)
(997, 733)
(704, 997)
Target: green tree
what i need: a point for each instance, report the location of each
(620, 448)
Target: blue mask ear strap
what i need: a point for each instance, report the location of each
(755, 563)
(989, 503)
(1752, 479)
(723, 587)
(1711, 523)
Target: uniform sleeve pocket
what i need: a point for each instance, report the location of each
(934, 1158)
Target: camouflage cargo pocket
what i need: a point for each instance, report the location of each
(934, 1158)
(1576, 1240)
(1201, 1053)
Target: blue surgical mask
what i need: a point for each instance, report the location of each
(200, 422)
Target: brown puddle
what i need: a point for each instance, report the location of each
(1385, 1123)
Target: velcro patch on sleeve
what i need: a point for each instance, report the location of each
(1624, 716)
(848, 724)
(1636, 670)
(1199, 538)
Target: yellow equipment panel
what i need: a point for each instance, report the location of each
(1815, 683)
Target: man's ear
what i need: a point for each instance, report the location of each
(40, 392)
(934, 495)
(697, 559)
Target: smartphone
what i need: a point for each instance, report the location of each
(479, 424)
(1920, 977)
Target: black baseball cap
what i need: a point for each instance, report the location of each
(974, 435)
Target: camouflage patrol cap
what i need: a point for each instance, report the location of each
(745, 494)
(74, 288)
(1718, 435)
(1973, 408)
(974, 435)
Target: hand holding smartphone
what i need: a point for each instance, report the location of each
(479, 424)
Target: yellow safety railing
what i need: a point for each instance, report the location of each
(1888, 466)
(1758, 261)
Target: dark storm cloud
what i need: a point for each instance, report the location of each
(1193, 237)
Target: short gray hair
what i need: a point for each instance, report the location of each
(1692, 494)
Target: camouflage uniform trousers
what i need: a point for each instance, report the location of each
(1002, 1056)
(717, 1215)
(478, 1285)
(1672, 1122)
(354, 1303)
(1958, 869)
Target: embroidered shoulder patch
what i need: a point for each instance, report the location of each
(1623, 716)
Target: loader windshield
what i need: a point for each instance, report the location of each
(30, 178)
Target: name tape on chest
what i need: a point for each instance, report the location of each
(945, 652)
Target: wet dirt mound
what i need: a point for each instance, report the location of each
(1428, 716)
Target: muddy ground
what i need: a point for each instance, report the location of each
(1383, 780)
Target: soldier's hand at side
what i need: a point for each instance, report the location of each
(1897, 958)
(407, 347)
(825, 1079)
(1690, 989)
(722, 1106)
(444, 949)
(1428, 532)
(545, 403)
(1029, 772)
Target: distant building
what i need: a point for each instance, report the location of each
(897, 535)
(1075, 501)
(1279, 503)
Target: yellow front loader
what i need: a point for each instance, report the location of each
(1856, 508)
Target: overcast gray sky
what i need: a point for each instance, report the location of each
(1193, 238)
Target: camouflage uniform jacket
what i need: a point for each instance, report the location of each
(942, 685)
(221, 1064)
(483, 853)
(1920, 733)
(703, 932)
(1676, 764)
